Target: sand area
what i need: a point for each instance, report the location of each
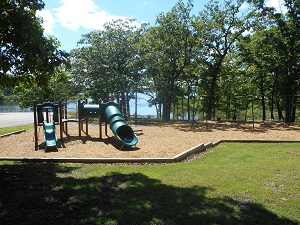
(156, 140)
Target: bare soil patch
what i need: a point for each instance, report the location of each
(155, 140)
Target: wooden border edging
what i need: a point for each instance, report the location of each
(177, 158)
(197, 149)
(11, 133)
(92, 160)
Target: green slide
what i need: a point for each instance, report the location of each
(49, 134)
(112, 115)
(118, 125)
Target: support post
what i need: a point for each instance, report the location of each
(106, 129)
(79, 117)
(87, 126)
(100, 121)
(61, 125)
(35, 126)
(66, 117)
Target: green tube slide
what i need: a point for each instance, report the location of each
(112, 115)
(118, 125)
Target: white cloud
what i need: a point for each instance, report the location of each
(244, 6)
(48, 20)
(74, 14)
(278, 5)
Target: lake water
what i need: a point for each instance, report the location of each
(11, 107)
(142, 109)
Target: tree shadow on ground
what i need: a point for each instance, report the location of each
(210, 126)
(47, 194)
(107, 140)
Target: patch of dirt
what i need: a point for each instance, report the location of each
(155, 140)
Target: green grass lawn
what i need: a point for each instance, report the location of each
(235, 183)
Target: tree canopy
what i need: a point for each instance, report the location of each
(26, 55)
(228, 55)
(216, 62)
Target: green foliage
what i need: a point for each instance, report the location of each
(2, 96)
(219, 27)
(59, 87)
(107, 62)
(26, 54)
(275, 51)
(218, 61)
(7, 94)
(167, 53)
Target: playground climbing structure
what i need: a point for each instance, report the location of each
(46, 115)
(49, 114)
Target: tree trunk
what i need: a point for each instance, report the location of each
(262, 93)
(123, 104)
(128, 105)
(182, 108)
(211, 97)
(227, 108)
(167, 108)
(280, 115)
(263, 103)
(188, 103)
(272, 106)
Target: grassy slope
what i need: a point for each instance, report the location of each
(236, 183)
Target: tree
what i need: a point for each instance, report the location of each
(107, 61)
(168, 52)
(60, 86)
(218, 29)
(24, 50)
(287, 24)
(262, 54)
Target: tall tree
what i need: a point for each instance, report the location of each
(263, 55)
(169, 52)
(288, 25)
(107, 61)
(218, 28)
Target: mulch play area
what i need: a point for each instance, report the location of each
(162, 140)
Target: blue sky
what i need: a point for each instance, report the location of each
(67, 20)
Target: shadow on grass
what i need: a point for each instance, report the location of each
(46, 194)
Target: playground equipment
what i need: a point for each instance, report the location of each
(51, 114)
(46, 115)
(109, 113)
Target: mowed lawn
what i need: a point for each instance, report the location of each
(235, 183)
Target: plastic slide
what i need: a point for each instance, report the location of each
(49, 134)
(118, 125)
